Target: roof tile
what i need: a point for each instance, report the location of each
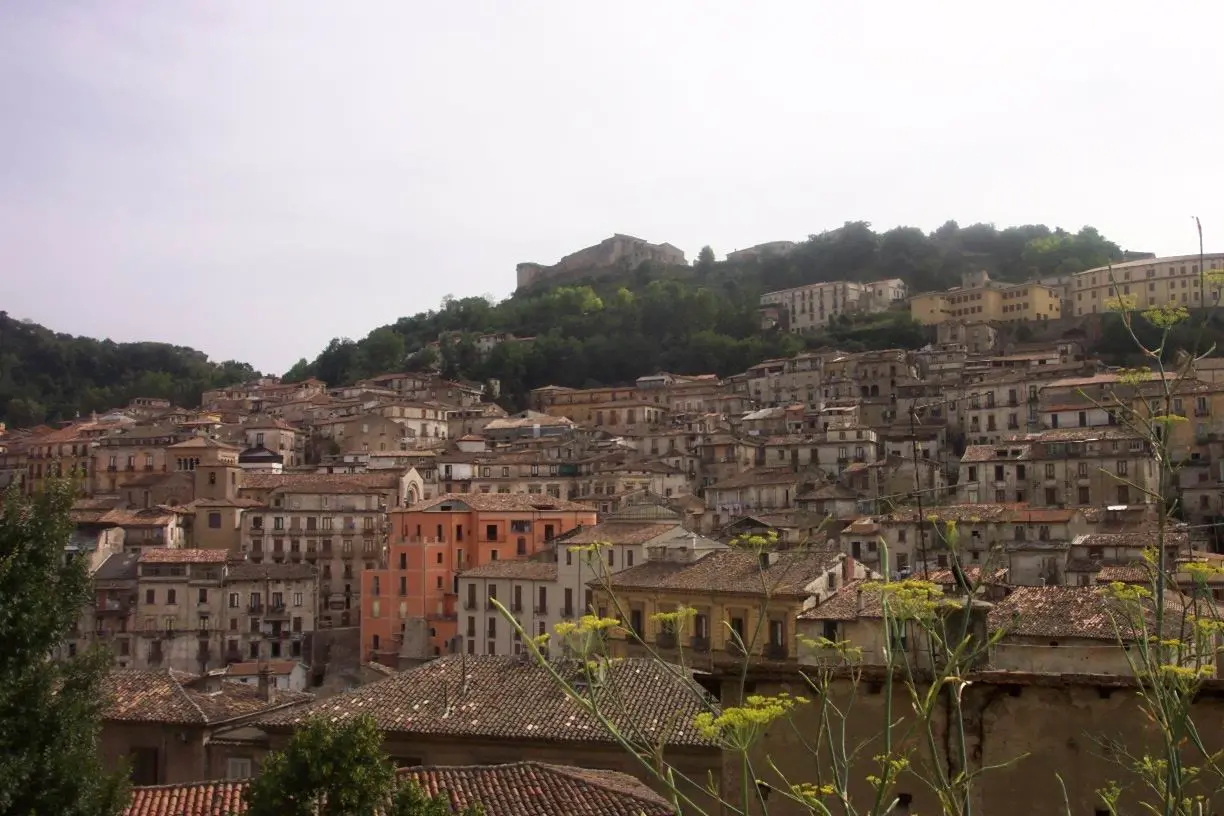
(466, 695)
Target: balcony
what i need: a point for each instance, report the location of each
(1202, 411)
(699, 644)
(567, 611)
(777, 651)
(469, 604)
(666, 640)
(516, 607)
(541, 609)
(491, 604)
(734, 647)
(255, 609)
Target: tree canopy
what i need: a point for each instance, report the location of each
(337, 769)
(51, 709)
(700, 319)
(45, 376)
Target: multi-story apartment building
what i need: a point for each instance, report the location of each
(810, 307)
(979, 298)
(130, 452)
(65, 452)
(832, 451)
(511, 472)
(433, 541)
(602, 407)
(335, 522)
(786, 381)
(1031, 544)
(1185, 280)
(192, 610)
(744, 604)
(277, 436)
(269, 610)
(178, 611)
(261, 394)
(1061, 468)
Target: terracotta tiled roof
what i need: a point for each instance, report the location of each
(165, 696)
(209, 503)
(538, 789)
(199, 442)
(466, 695)
(854, 600)
(510, 502)
(757, 476)
(733, 571)
(1139, 539)
(1076, 612)
(246, 571)
(216, 798)
(307, 482)
(171, 555)
(139, 517)
(517, 568)
(517, 789)
(622, 532)
(1137, 573)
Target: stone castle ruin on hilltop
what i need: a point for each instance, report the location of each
(620, 253)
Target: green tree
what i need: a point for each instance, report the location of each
(50, 708)
(331, 769)
(383, 351)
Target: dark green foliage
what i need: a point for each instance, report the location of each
(50, 709)
(333, 769)
(1201, 333)
(702, 319)
(45, 377)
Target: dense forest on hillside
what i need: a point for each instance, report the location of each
(703, 318)
(697, 319)
(45, 376)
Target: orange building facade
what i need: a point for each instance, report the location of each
(430, 544)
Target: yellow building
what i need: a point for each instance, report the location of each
(1151, 282)
(981, 299)
(744, 603)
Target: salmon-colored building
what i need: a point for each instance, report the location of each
(415, 597)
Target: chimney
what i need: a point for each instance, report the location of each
(848, 568)
(267, 685)
(858, 601)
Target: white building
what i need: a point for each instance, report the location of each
(555, 586)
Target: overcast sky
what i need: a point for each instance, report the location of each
(255, 178)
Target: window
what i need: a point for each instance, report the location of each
(1082, 470)
(150, 596)
(233, 600)
(1122, 467)
(1049, 470)
(1084, 497)
(214, 521)
(171, 596)
(203, 595)
(777, 633)
(297, 599)
(1123, 494)
(490, 532)
(635, 621)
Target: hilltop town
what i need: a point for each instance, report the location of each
(287, 548)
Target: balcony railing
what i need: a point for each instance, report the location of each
(666, 640)
(541, 609)
(699, 643)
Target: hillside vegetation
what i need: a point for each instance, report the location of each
(698, 319)
(46, 377)
(701, 319)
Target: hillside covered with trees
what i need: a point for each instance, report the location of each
(701, 319)
(46, 377)
(696, 319)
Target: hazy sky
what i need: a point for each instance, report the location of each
(253, 178)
